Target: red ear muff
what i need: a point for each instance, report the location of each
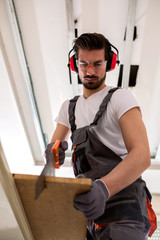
(73, 65)
(114, 61)
(111, 64)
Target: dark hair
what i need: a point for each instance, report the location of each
(92, 41)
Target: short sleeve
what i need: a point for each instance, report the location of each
(63, 117)
(122, 101)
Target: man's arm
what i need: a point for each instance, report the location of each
(138, 158)
(61, 133)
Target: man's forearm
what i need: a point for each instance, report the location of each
(127, 171)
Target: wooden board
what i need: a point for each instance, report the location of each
(52, 216)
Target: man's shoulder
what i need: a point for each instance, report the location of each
(123, 93)
(65, 104)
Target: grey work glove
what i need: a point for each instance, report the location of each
(63, 147)
(92, 203)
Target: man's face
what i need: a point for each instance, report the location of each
(93, 76)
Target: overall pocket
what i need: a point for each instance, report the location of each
(80, 162)
(120, 210)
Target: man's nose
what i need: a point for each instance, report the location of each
(90, 69)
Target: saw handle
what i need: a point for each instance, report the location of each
(55, 151)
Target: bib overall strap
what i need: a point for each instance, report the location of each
(103, 106)
(101, 110)
(71, 109)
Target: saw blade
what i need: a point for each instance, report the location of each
(48, 170)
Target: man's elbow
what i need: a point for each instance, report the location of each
(147, 159)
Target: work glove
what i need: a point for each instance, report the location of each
(92, 203)
(63, 147)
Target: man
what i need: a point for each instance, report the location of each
(111, 148)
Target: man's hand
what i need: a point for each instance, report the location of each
(62, 149)
(92, 203)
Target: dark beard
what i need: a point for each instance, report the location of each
(93, 85)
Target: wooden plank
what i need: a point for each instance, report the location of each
(12, 195)
(52, 215)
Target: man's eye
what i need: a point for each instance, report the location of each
(98, 64)
(84, 64)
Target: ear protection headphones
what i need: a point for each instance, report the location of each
(113, 59)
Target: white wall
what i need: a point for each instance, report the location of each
(148, 84)
(14, 72)
(44, 32)
(12, 133)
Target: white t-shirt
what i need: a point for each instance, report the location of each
(108, 129)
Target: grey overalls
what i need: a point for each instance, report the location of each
(93, 159)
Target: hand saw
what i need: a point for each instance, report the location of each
(49, 169)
